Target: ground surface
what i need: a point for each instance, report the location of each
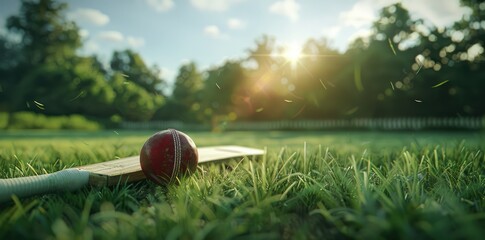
(309, 185)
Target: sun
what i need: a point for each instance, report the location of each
(292, 53)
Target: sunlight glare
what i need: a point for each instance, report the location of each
(292, 53)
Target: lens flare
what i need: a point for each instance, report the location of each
(292, 53)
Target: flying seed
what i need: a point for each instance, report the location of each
(352, 111)
(78, 96)
(420, 66)
(439, 84)
(325, 87)
(39, 105)
(392, 46)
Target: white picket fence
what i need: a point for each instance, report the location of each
(465, 123)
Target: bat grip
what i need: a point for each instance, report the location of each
(64, 180)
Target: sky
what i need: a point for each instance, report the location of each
(169, 33)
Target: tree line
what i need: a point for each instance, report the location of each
(406, 67)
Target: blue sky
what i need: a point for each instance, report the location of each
(169, 33)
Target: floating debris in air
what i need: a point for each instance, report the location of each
(39, 105)
(439, 84)
(325, 87)
(392, 46)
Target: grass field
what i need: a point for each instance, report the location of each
(309, 185)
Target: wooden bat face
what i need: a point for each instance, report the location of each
(129, 170)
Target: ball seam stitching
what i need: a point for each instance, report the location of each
(177, 155)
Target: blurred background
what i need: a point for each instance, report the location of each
(242, 64)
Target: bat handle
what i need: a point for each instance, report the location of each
(64, 180)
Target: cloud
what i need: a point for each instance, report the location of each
(235, 23)
(361, 14)
(212, 31)
(135, 42)
(364, 12)
(214, 5)
(332, 32)
(288, 8)
(83, 33)
(115, 38)
(119, 38)
(89, 15)
(91, 47)
(167, 74)
(439, 13)
(362, 33)
(160, 5)
(111, 36)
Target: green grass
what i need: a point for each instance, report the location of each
(309, 185)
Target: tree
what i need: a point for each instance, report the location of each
(134, 68)
(262, 53)
(472, 27)
(221, 92)
(468, 56)
(382, 71)
(47, 36)
(132, 102)
(50, 77)
(261, 95)
(182, 105)
(451, 79)
(9, 59)
(320, 85)
(64, 89)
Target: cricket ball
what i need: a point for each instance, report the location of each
(168, 155)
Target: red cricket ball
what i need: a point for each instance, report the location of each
(168, 155)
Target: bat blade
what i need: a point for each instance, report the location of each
(103, 174)
(129, 169)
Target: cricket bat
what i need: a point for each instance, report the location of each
(105, 173)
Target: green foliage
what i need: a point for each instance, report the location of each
(133, 102)
(4, 119)
(186, 92)
(220, 93)
(29, 120)
(405, 68)
(65, 90)
(80, 123)
(55, 81)
(265, 47)
(321, 186)
(47, 36)
(132, 66)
